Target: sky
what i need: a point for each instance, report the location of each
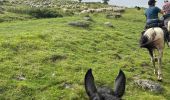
(129, 3)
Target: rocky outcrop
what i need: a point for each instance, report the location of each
(115, 15)
(83, 24)
(149, 85)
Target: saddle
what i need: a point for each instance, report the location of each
(151, 25)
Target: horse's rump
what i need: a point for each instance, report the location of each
(152, 37)
(145, 43)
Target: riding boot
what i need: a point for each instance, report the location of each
(166, 35)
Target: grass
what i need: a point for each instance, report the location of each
(46, 59)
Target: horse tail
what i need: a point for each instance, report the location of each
(144, 41)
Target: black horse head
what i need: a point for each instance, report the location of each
(105, 93)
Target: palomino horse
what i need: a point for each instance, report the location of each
(105, 93)
(153, 38)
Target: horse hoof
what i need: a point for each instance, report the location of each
(160, 80)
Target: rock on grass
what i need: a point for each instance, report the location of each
(149, 85)
(108, 24)
(84, 24)
(88, 18)
(111, 16)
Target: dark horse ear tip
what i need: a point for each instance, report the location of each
(89, 83)
(121, 72)
(89, 71)
(120, 83)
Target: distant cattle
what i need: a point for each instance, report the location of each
(114, 9)
(138, 8)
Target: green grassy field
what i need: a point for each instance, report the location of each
(46, 59)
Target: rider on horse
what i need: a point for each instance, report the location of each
(166, 10)
(152, 19)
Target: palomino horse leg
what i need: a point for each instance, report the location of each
(152, 59)
(160, 51)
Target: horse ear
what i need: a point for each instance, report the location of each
(120, 83)
(89, 83)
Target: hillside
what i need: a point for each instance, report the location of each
(46, 59)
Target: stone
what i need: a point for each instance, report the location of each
(110, 16)
(108, 24)
(149, 85)
(87, 18)
(117, 15)
(79, 24)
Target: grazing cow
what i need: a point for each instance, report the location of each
(153, 38)
(104, 93)
(138, 8)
